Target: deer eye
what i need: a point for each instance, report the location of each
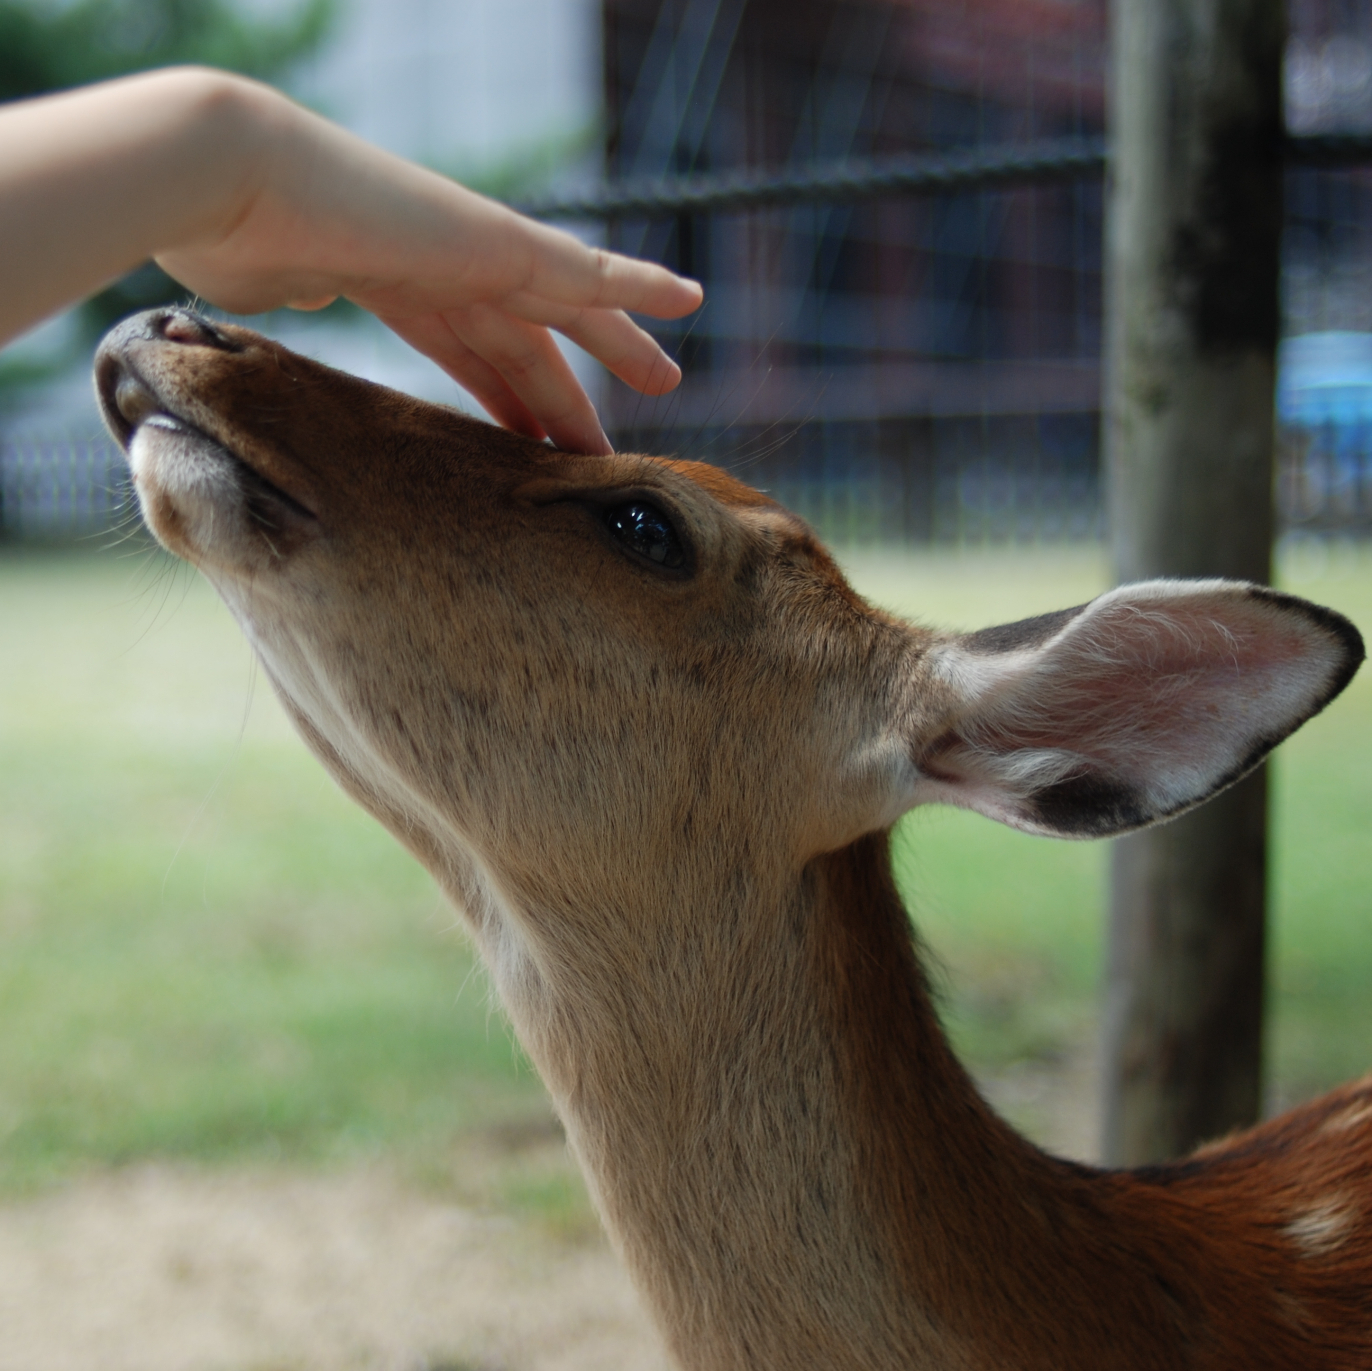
(646, 530)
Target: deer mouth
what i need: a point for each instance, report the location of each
(194, 489)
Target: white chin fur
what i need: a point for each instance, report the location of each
(174, 466)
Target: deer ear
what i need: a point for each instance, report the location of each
(1116, 714)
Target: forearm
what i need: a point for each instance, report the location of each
(96, 181)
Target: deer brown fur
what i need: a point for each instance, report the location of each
(661, 796)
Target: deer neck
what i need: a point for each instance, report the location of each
(775, 1131)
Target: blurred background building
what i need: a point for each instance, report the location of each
(905, 368)
(899, 368)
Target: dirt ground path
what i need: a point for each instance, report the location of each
(162, 1269)
(173, 1269)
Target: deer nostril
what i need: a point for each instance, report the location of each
(183, 327)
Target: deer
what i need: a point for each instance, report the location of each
(636, 723)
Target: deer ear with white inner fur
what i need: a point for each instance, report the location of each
(1135, 707)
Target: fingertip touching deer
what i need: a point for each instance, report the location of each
(633, 719)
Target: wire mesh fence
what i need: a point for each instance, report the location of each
(62, 488)
(896, 208)
(981, 479)
(918, 358)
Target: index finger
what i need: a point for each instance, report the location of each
(567, 271)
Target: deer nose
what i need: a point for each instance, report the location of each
(185, 326)
(127, 396)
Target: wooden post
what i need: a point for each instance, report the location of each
(1192, 263)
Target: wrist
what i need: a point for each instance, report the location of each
(224, 132)
(95, 180)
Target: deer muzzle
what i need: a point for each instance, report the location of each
(205, 496)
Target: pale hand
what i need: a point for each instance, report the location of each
(254, 203)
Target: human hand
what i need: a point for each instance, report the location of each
(466, 280)
(254, 203)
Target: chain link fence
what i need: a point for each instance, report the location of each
(897, 210)
(62, 488)
(965, 481)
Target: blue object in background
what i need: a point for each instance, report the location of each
(1324, 400)
(1325, 378)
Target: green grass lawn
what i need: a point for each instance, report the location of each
(207, 953)
(205, 950)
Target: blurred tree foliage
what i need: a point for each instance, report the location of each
(49, 46)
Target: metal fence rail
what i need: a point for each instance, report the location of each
(841, 182)
(1040, 162)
